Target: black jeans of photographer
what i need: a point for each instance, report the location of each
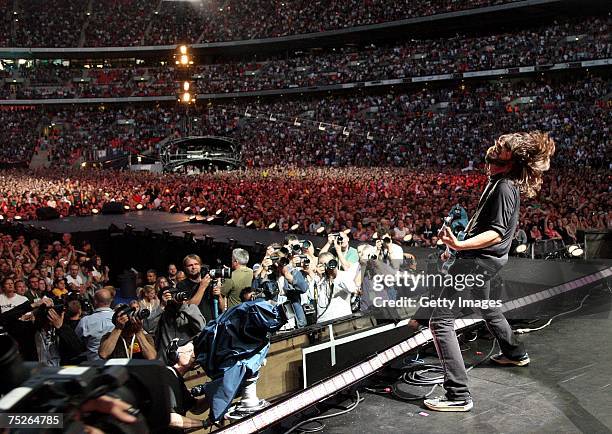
(442, 325)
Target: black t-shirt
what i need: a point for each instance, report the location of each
(206, 305)
(500, 213)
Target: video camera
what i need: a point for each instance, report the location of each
(30, 389)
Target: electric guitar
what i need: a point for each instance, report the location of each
(456, 217)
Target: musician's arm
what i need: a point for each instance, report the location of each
(480, 241)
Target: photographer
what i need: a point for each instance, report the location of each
(387, 251)
(333, 288)
(346, 255)
(242, 277)
(56, 342)
(196, 286)
(290, 280)
(92, 327)
(180, 319)
(128, 339)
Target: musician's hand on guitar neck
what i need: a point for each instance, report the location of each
(450, 239)
(445, 255)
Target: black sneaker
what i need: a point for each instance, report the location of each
(444, 404)
(500, 359)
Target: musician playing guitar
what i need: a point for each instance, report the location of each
(514, 163)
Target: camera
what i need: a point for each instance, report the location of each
(64, 391)
(304, 261)
(223, 273)
(332, 264)
(386, 239)
(178, 296)
(131, 312)
(338, 236)
(267, 290)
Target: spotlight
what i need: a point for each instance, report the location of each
(186, 86)
(230, 222)
(210, 219)
(1, 217)
(294, 227)
(320, 230)
(407, 238)
(139, 206)
(187, 210)
(172, 208)
(183, 49)
(272, 225)
(17, 217)
(575, 250)
(219, 211)
(126, 207)
(94, 211)
(186, 97)
(203, 211)
(249, 223)
(193, 219)
(521, 248)
(184, 59)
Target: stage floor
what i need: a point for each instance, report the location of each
(566, 389)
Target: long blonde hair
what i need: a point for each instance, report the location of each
(531, 154)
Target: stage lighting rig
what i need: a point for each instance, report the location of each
(184, 60)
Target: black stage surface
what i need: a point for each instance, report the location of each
(566, 389)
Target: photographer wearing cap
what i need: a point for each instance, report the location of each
(338, 245)
(181, 319)
(128, 340)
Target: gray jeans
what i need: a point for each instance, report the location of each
(442, 324)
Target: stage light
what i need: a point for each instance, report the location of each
(272, 225)
(184, 59)
(126, 207)
(203, 211)
(230, 222)
(84, 164)
(219, 211)
(193, 219)
(172, 208)
(1, 217)
(575, 250)
(294, 227)
(186, 97)
(185, 86)
(17, 217)
(94, 211)
(521, 248)
(320, 230)
(249, 223)
(187, 210)
(210, 219)
(183, 49)
(139, 206)
(407, 238)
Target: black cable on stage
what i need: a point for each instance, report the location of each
(327, 416)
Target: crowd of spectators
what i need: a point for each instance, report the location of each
(62, 23)
(429, 127)
(571, 40)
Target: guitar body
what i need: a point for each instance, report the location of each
(457, 218)
(452, 255)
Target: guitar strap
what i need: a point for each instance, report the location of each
(481, 204)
